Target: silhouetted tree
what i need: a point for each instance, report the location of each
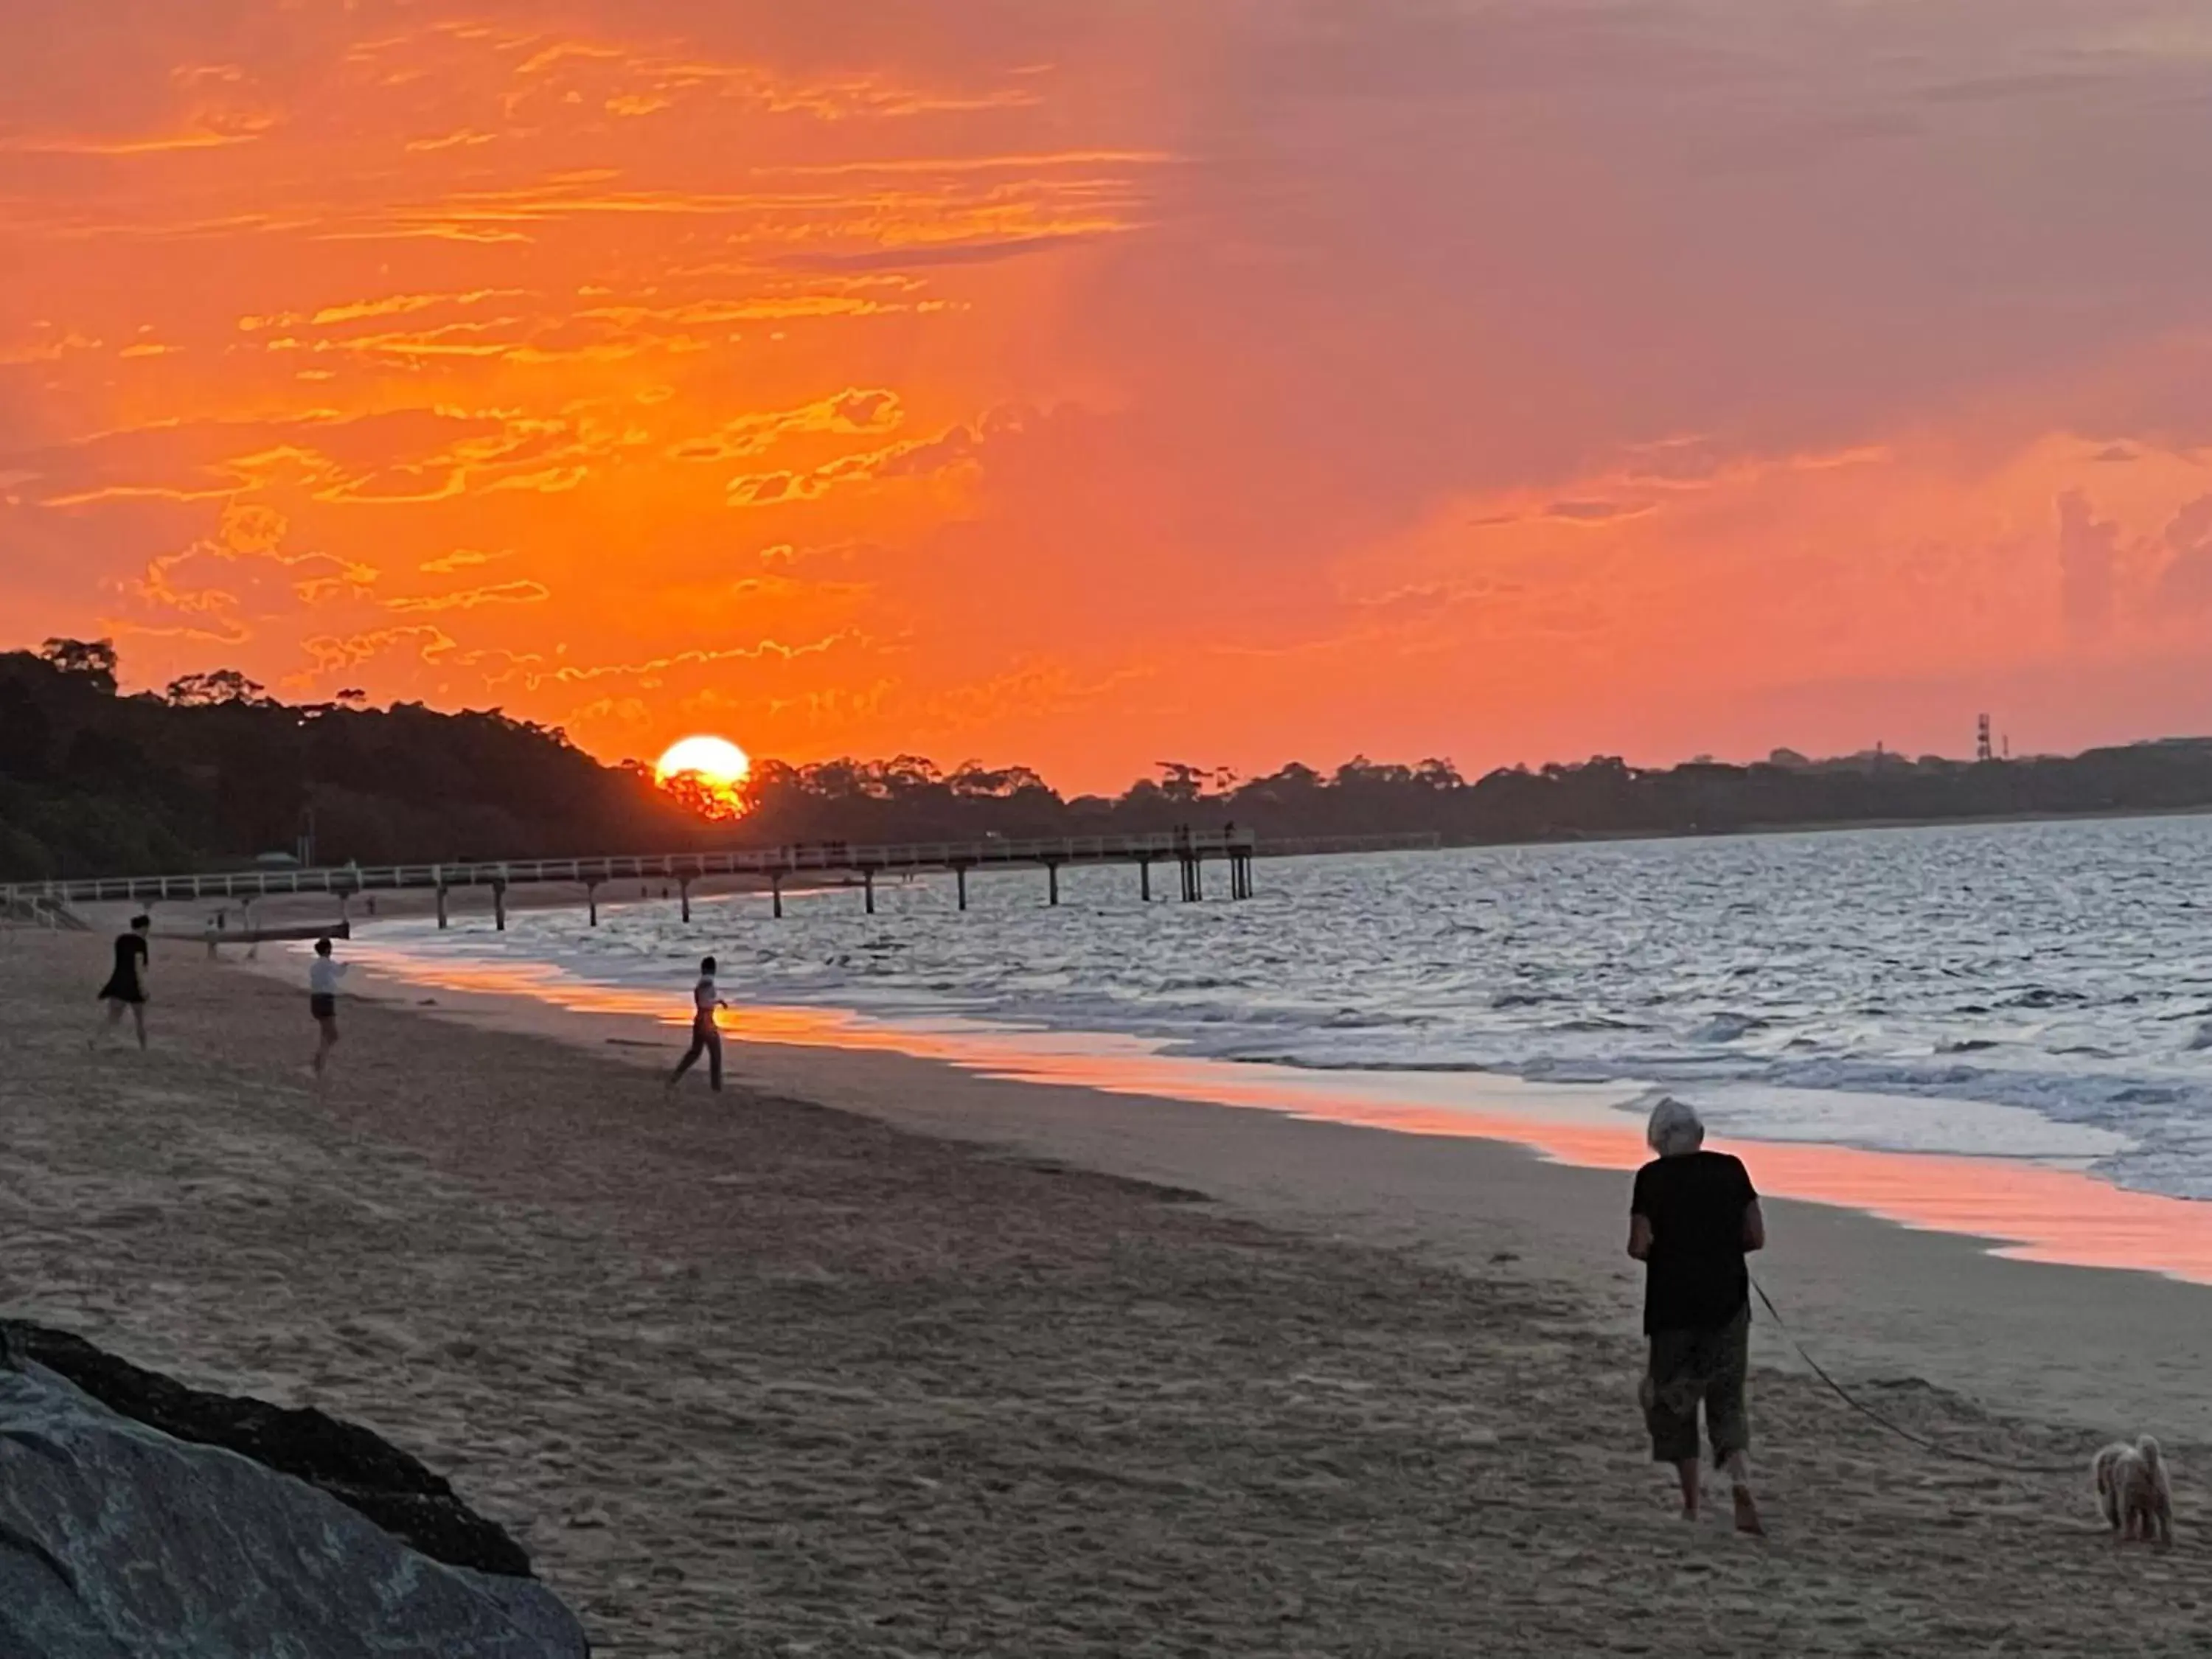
(221, 686)
(91, 783)
(94, 661)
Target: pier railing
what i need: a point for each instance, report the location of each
(766, 864)
(1189, 851)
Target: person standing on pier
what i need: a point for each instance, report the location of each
(126, 984)
(706, 1034)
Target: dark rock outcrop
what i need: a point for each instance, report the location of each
(121, 1541)
(359, 1468)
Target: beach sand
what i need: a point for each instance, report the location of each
(751, 1376)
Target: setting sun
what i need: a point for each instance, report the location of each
(707, 773)
(714, 761)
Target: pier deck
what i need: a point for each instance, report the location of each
(770, 867)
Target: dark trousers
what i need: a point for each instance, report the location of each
(706, 1040)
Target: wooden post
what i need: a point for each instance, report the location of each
(441, 907)
(684, 888)
(1145, 879)
(1052, 881)
(775, 891)
(960, 875)
(592, 900)
(868, 882)
(499, 905)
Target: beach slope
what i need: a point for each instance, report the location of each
(748, 1376)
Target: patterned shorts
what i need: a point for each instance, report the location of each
(1691, 1366)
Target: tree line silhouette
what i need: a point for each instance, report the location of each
(215, 770)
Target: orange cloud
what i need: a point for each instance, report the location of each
(1027, 381)
(515, 592)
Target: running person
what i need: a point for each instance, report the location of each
(126, 984)
(706, 1034)
(323, 977)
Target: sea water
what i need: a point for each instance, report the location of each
(2040, 991)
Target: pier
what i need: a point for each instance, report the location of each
(1236, 852)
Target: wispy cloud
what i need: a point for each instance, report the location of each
(515, 592)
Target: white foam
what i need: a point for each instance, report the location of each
(2033, 991)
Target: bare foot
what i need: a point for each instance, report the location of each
(1746, 1514)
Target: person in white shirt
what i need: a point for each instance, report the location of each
(706, 1034)
(323, 976)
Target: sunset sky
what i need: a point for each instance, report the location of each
(1088, 383)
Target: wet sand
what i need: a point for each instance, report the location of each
(1932, 1300)
(753, 1376)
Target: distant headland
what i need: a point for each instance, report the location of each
(216, 771)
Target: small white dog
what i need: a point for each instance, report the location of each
(2132, 1493)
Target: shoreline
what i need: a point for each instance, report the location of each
(1875, 1298)
(2032, 1209)
(1994, 1161)
(1833, 826)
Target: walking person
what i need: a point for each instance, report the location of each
(126, 983)
(1694, 1216)
(706, 1034)
(323, 974)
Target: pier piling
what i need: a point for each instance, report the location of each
(1194, 878)
(832, 862)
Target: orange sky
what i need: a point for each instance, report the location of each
(1089, 385)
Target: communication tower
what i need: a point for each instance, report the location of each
(1984, 750)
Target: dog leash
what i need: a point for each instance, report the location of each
(1895, 1428)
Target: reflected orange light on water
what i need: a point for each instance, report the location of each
(2031, 1211)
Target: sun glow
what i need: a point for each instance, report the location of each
(712, 768)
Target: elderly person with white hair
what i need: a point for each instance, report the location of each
(1694, 1218)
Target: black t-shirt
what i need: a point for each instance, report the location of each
(129, 951)
(1695, 1279)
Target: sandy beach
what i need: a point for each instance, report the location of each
(869, 1356)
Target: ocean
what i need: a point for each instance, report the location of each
(2033, 991)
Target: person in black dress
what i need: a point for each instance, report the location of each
(1694, 1218)
(127, 985)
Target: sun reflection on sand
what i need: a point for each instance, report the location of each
(2034, 1212)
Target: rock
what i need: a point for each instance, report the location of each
(120, 1541)
(360, 1469)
